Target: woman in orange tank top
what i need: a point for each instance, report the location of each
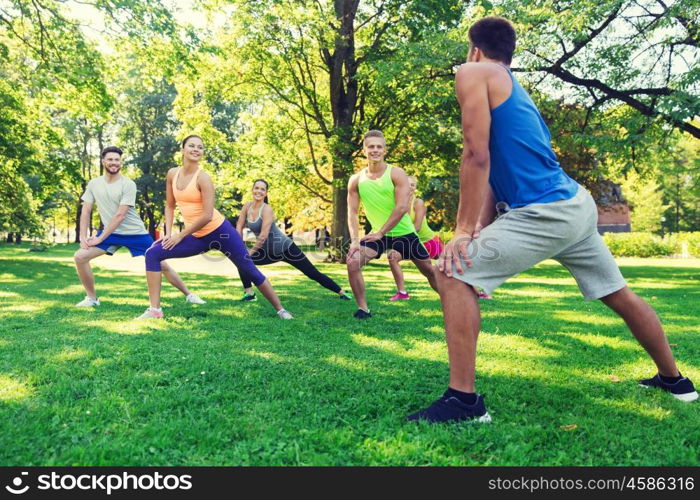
(192, 191)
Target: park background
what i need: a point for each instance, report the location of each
(284, 90)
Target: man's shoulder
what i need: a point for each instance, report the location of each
(396, 170)
(96, 181)
(126, 184)
(472, 74)
(354, 177)
(477, 69)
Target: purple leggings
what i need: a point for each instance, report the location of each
(224, 238)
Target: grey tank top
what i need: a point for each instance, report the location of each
(276, 242)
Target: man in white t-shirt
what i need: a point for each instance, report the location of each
(115, 196)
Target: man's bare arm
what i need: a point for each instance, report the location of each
(353, 210)
(114, 222)
(472, 93)
(85, 214)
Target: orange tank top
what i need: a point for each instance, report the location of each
(189, 201)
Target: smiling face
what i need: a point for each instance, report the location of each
(112, 162)
(259, 190)
(412, 183)
(375, 149)
(193, 149)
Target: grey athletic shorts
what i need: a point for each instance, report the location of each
(565, 231)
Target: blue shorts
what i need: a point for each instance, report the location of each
(136, 243)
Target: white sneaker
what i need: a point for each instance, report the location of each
(193, 298)
(151, 313)
(88, 302)
(284, 314)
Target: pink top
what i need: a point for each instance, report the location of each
(189, 201)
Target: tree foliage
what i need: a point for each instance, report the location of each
(285, 89)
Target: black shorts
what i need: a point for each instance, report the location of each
(408, 246)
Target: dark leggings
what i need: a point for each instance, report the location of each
(294, 256)
(224, 238)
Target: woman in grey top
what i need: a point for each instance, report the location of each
(272, 245)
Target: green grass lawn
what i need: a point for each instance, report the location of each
(230, 384)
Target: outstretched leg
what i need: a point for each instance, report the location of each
(259, 258)
(645, 326)
(174, 278)
(299, 260)
(231, 244)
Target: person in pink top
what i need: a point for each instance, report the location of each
(192, 191)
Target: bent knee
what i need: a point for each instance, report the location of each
(152, 253)
(354, 264)
(445, 282)
(81, 256)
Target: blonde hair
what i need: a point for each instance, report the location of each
(374, 133)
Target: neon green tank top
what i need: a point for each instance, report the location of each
(425, 233)
(377, 197)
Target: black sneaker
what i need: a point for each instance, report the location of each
(683, 389)
(344, 296)
(248, 298)
(362, 314)
(451, 409)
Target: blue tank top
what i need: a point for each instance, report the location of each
(524, 169)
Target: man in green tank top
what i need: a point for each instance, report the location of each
(384, 193)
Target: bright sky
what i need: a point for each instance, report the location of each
(185, 11)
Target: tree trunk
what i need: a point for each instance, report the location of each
(152, 224)
(18, 237)
(10, 238)
(78, 210)
(150, 216)
(340, 234)
(100, 145)
(343, 94)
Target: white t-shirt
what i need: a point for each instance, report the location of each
(109, 196)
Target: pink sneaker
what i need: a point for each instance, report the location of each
(400, 296)
(151, 313)
(484, 296)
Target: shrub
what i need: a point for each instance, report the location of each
(638, 245)
(690, 242)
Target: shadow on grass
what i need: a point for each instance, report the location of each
(229, 384)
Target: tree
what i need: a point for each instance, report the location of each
(329, 71)
(147, 131)
(646, 203)
(680, 181)
(636, 52)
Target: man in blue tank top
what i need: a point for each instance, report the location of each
(547, 215)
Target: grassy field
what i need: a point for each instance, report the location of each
(229, 384)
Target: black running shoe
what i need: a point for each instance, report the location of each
(362, 314)
(248, 298)
(683, 389)
(344, 296)
(451, 409)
